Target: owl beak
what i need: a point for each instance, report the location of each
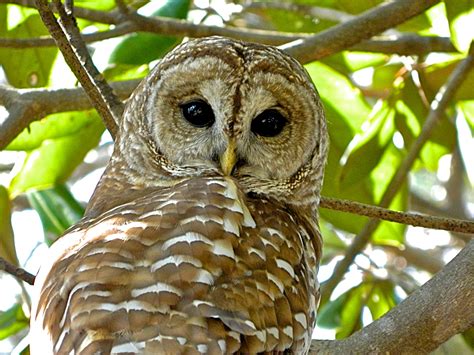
(229, 158)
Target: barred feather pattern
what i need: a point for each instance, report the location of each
(195, 268)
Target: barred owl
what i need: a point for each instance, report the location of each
(202, 234)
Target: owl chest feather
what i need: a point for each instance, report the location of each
(199, 268)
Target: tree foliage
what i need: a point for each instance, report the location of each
(378, 94)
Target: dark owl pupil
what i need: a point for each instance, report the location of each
(269, 123)
(198, 113)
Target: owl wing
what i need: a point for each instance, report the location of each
(194, 268)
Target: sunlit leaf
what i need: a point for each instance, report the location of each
(52, 127)
(382, 298)
(12, 321)
(56, 158)
(467, 108)
(460, 15)
(366, 149)
(27, 67)
(348, 62)
(57, 208)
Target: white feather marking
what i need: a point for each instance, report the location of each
(238, 205)
(231, 227)
(276, 232)
(60, 340)
(258, 252)
(273, 331)
(275, 280)
(201, 219)
(234, 335)
(189, 238)
(202, 348)
(197, 303)
(156, 212)
(301, 319)
(269, 242)
(250, 324)
(222, 345)
(261, 335)
(127, 348)
(181, 340)
(113, 264)
(132, 305)
(283, 264)
(156, 288)
(288, 330)
(176, 260)
(223, 247)
(265, 290)
(204, 277)
(104, 250)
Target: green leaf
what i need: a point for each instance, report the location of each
(382, 298)
(366, 149)
(437, 74)
(384, 76)
(460, 15)
(346, 110)
(7, 242)
(27, 67)
(348, 62)
(329, 316)
(351, 313)
(12, 321)
(57, 208)
(53, 127)
(141, 48)
(56, 158)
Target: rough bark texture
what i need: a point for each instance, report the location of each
(441, 308)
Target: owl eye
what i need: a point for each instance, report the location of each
(269, 123)
(198, 113)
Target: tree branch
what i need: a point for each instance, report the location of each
(414, 219)
(351, 32)
(431, 315)
(73, 49)
(402, 44)
(28, 105)
(18, 272)
(438, 106)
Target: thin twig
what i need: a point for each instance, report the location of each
(414, 219)
(438, 106)
(18, 272)
(99, 96)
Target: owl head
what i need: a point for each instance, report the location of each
(220, 107)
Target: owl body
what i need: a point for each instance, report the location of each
(202, 235)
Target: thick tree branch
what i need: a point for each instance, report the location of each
(18, 272)
(438, 106)
(71, 46)
(430, 316)
(402, 44)
(28, 105)
(360, 28)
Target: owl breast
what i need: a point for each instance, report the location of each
(197, 267)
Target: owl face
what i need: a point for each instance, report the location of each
(225, 107)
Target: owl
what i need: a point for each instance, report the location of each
(202, 235)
